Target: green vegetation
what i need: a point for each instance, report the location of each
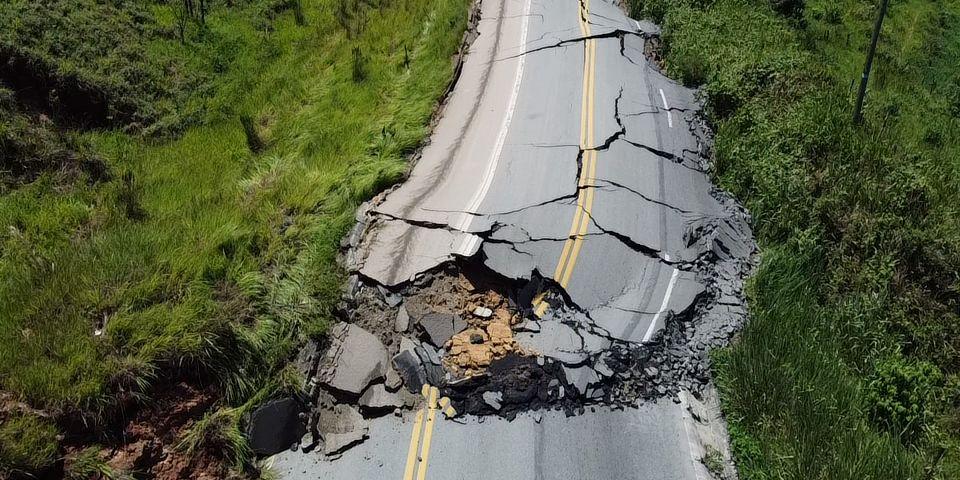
(849, 367)
(233, 156)
(27, 441)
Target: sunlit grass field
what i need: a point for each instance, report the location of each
(200, 258)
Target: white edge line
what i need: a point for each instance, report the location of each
(667, 107)
(470, 243)
(664, 305)
(638, 26)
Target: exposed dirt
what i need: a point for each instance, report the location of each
(489, 316)
(146, 447)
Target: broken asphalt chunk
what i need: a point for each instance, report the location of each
(378, 399)
(432, 366)
(410, 369)
(392, 381)
(581, 378)
(440, 327)
(341, 427)
(409, 366)
(356, 358)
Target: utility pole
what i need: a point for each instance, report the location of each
(857, 117)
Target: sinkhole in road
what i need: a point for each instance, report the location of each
(473, 333)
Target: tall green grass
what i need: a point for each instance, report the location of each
(229, 259)
(849, 366)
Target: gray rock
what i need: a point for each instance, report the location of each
(392, 299)
(341, 427)
(307, 359)
(353, 284)
(580, 378)
(493, 399)
(410, 369)
(439, 326)
(430, 359)
(555, 340)
(352, 239)
(378, 398)
(429, 354)
(392, 380)
(602, 369)
(355, 359)
(402, 323)
(274, 426)
(531, 326)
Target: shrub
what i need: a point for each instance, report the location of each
(788, 8)
(899, 395)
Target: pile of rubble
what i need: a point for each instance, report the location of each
(443, 331)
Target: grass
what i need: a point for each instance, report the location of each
(28, 440)
(849, 366)
(198, 258)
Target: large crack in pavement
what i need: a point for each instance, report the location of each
(466, 323)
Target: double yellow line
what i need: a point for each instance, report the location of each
(419, 451)
(588, 168)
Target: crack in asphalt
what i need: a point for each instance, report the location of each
(563, 43)
(646, 198)
(657, 109)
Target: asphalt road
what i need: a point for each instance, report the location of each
(561, 153)
(647, 443)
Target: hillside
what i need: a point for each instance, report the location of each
(849, 367)
(176, 177)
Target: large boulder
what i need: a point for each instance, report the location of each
(356, 358)
(275, 426)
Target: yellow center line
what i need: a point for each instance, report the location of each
(588, 173)
(588, 167)
(419, 452)
(414, 447)
(428, 433)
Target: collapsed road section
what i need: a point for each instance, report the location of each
(557, 245)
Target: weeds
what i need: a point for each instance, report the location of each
(713, 461)
(219, 432)
(87, 464)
